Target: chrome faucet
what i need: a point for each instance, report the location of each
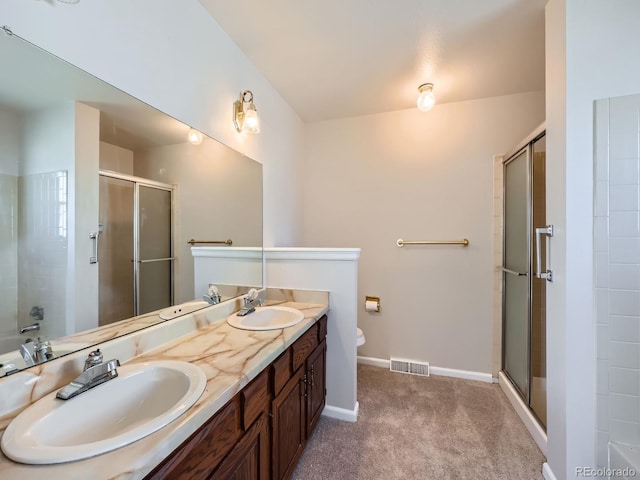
(213, 296)
(30, 328)
(251, 301)
(94, 374)
(36, 352)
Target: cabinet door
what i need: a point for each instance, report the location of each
(200, 455)
(316, 379)
(249, 459)
(289, 422)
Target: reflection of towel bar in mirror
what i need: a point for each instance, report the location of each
(464, 242)
(157, 260)
(210, 242)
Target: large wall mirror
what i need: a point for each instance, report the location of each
(100, 195)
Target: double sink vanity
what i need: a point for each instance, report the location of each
(206, 395)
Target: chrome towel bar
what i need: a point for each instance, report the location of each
(210, 242)
(464, 242)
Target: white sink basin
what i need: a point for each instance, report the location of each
(142, 399)
(182, 309)
(267, 318)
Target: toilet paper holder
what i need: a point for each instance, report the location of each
(372, 304)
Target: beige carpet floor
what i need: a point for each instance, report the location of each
(422, 428)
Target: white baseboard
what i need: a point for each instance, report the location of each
(534, 428)
(547, 473)
(439, 371)
(341, 413)
(450, 372)
(374, 362)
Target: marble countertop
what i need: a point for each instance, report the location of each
(230, 358)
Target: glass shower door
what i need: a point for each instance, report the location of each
(524, 288)
(155, 251)
(135, 250)
(516, 271)
(115, 250)
(538, 387)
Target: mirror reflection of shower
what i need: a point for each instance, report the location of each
(135, 252)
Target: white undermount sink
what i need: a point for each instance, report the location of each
(267, 318)
(143, 398)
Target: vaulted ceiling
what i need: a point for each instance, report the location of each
(341, 58)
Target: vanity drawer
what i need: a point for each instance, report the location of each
(255, 399)
(281, 368)
(304, 346)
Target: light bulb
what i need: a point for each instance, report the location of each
(426, 99)
(194, 137)
(251, 120)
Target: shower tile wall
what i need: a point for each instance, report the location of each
(617, 272)
(8, 254)
(42, 253)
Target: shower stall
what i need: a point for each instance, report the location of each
(526, 237)
(135, 249)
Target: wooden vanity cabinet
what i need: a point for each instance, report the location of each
(297, 406)
(261, 432)
(235, 440)
(289, 432)
(316, 385)
(250, 458)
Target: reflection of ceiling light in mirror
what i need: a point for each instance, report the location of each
(246, 118)
(426, 99)
(194, 136)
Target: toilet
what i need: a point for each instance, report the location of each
(360, 338)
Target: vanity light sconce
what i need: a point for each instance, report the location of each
(426, 98)
(245, 116)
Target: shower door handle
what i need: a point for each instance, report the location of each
(513, 272)
(94, 236)
(547, 232)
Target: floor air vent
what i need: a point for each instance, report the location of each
(408, 366)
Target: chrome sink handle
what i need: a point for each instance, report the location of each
(251, 301)
(91, 377)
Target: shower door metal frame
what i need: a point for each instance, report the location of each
(527, 146)
(145, 182)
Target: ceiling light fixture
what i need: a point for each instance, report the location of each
(245, 118)
(426, 99)
(194, 137)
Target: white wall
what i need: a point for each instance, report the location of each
(334, 271)
(598, 60)
(8, 254)
(115, 158)
(82, 313)
(47, 164)
(9, 142)
(210, 178)
(175, 57)
(417, 176)
(555, 58)
(9, 158)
